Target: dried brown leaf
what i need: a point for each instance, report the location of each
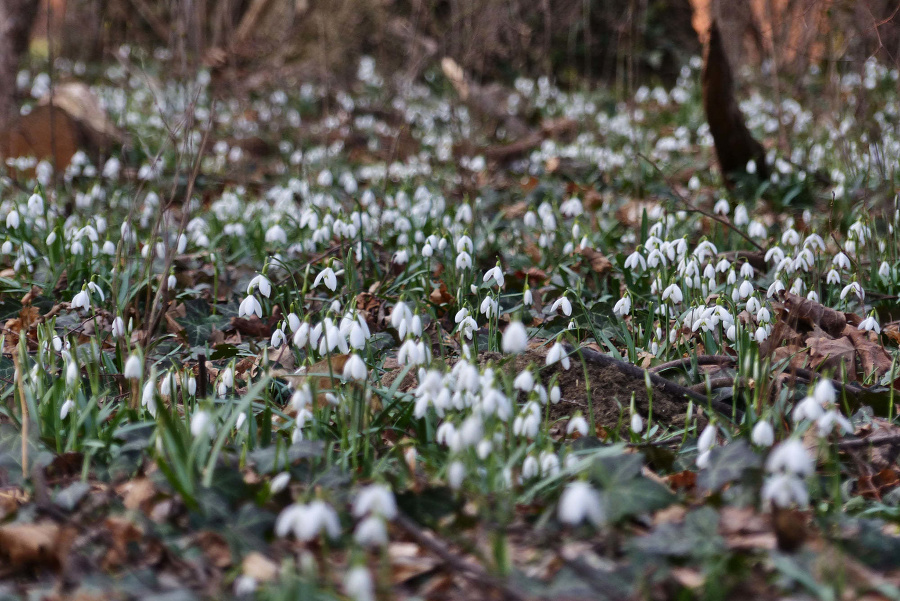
(259, 567)
(809, 314)
(39, 544)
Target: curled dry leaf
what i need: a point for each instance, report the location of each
(597, 260)
(810, 314)
(838, 356)
(873, 358)
(215, 547)
(122, 532)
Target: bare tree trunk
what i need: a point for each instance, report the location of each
(16, 19)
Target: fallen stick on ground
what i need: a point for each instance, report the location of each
(469, 570)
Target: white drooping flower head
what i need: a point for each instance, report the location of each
(580, 502)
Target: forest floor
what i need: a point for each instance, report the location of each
(369, 343)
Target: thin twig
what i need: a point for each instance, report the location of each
(688, 361)
(691, 208)
(156, 309)
(718, 383)
(856, 443)
(471, 571)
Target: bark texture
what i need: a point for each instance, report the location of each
(735, 146)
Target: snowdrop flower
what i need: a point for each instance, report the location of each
(227, 377)
(832, 419)
(82, 300)
(579, 502)
(571, 207)
(71, 370)
(746, 289)
(489, 307)
(809, 409)
(301, 335)
(549, 463)
(741, 217)
(564, 303)
(637, 423)
(355, 368)
(833, 277)
(279, 482)
(278, 338)
(148, 396)
(359, 333)
(250, 306)
(791, 457)
(555, 394)
(358, 584)
(855, 288)
(328, 276)
(673, 293)
(841, 261)
(306, 522)
(463, 260)
(784, 490)
(623, 306)
(118, 327)
(530, 467)
(721, 207)
(276, 234)
(763, 435)
(703, 460)
(371, 532)
(790, 237)
(375, 499)
(707, 438)
(515, 338)
(468, 327)
(496, 273)
(870, 324)
(527, 298)
(455, 474)
(635, 260)
(192, 386)
(524, 381)
(201, 424)
(35, 205)
(133, 368)
(262, 283)
(12, 220)
(776, 287)
(577, 424)
(824, 392)
(558, 354)
(66, 407)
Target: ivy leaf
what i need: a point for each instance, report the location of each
(611, 471)
(69, 497)
(635, 496)
(698, 537)
(728, 464)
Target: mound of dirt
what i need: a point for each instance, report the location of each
(610, 390)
